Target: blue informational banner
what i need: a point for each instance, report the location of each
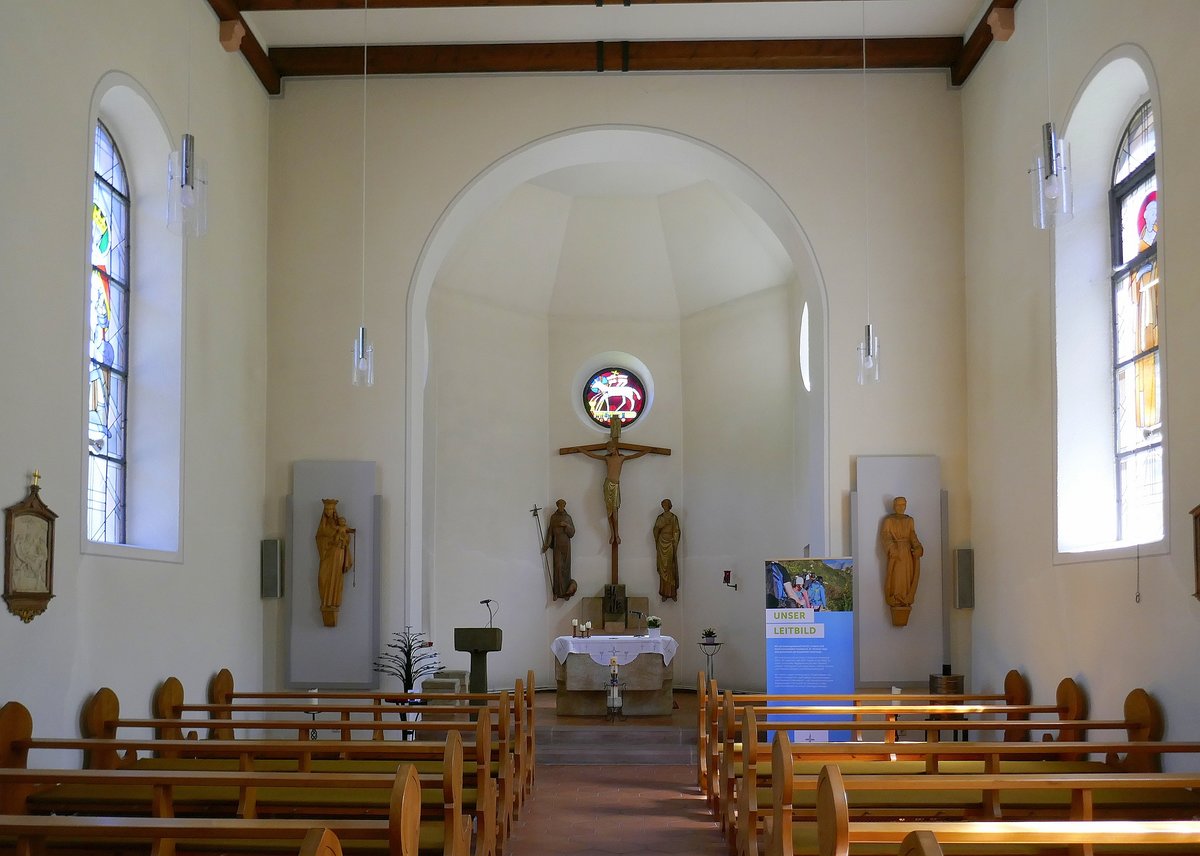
(810, 635)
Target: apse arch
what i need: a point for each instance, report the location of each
(582, 146)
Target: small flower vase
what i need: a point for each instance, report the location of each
(654, 632)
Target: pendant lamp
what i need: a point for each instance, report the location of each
(363, 365)
(868, 348)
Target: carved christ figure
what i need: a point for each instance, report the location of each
(335, 560)
(614, 453)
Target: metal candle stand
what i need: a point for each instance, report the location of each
(615, 688)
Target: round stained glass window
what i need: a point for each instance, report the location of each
(614, 391)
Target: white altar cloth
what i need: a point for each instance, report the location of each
(625, 648)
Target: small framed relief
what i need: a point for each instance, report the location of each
(1196, 547)
(29, 555)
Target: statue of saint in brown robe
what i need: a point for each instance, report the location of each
(898, 535)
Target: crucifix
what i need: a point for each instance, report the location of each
(614, 453)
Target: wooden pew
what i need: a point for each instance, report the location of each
(718, 712)
(239, 758)
(221, 692)
(515, 735)
(837, 832)
(742, 754)
(159, 792)
(36, 835)
(754, 800)
(101, 719)
(320, 841)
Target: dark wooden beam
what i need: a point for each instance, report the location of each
(268, 75)
(976, 44)
(322, 5)
(711, 55)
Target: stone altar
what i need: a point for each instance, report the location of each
(581, 673)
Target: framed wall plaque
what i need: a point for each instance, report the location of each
(29, 555)
(1196, 547)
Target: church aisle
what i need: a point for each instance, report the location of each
(600, 810)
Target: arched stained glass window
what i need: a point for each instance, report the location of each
(1137, 372)
(108, 343)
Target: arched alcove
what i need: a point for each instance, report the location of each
(638, 146)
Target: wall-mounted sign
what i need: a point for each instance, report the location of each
(614, 391)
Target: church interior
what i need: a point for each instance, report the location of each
(501, 236)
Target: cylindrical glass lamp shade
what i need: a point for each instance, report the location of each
(363, 368)
(868, 357)
(1051, 180)
(187, 190)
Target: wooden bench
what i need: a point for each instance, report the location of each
(743, 754)
(101, 719)
(221, 692)
(515, 736)
(442, 762)
(238, 793)
(398, 834)
(803, 761)
(718, 718)
(837, 834)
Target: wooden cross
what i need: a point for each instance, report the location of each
(613, 453)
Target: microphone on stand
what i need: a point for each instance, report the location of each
(640, 615)
(487, 601)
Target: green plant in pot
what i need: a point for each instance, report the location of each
(709, 634)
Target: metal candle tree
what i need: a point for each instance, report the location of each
(413, 658)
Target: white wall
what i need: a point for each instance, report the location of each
(1080, 620)
(120, 623)
(429, 138)
(490, 434)
(742, 478)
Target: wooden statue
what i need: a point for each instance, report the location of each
(335, 559)
(666, 551)
(898, 535)
(560, 529)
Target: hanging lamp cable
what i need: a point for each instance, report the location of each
(866, 165)
(363, 201)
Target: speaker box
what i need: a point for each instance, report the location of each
(964, 578)
(271, 568)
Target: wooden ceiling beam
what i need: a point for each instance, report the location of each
(710, 55)
(325, 5)
(976, 44)
(268, 75)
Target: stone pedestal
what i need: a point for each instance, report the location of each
(478, 642)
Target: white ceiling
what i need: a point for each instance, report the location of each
(604, 241)
(594, 240)
(614, 22)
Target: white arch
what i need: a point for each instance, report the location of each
(154, 489)
(576, 147)
(1085, 527)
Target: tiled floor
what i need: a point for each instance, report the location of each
(601, 811)
(614, 809)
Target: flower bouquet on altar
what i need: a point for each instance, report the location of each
(653, 626)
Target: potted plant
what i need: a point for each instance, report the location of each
(708, 635)
(654, 625)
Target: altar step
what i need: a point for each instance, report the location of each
(616, 743)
